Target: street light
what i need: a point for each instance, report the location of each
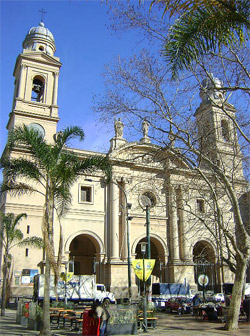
(143, 251)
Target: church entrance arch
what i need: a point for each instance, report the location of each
(85, 251)
(204, 263)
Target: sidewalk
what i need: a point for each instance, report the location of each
(168, 324)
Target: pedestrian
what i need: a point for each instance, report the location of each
(103, 315)
(196, 303)
(246, 307)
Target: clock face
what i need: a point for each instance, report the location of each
(147, 199)
(38, 128)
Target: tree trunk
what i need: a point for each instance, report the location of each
(48, 231)
(4, 288)
(234, 309)
(46, 301)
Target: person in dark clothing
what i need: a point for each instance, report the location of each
(246, 307)
(197, 300)
(196, 303)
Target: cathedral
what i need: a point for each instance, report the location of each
(153, 196)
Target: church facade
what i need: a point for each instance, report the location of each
(153, 196)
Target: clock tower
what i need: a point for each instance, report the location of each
(36, 83)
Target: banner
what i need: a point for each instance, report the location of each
(67, 277)
(138, 268)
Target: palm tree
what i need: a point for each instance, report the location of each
(202, 26)
(51, 170)
(10, 237)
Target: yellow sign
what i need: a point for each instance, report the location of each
(66, 277)
(143, 273)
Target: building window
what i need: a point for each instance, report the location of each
(225, 130)
(26, 252)
(86, 194)
(200, 204)
(28, 229)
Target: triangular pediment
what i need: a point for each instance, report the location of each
(41, 57)
(38, 57)
(141, 155)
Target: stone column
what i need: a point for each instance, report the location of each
(21, 81)
(55, 89)
(182, 219)
(125, 220)
(114, 221)
(175, 255)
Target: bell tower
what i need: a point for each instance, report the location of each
(36, 83)
(216, 129)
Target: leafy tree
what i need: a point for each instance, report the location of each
(51, 170)
(10, 237)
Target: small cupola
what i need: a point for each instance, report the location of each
(40, 39)
(211, 90)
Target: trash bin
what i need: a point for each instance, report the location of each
(90, 323)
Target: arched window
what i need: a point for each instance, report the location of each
(37, 89)
(225, 129)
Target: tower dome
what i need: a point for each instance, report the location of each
(40, 39)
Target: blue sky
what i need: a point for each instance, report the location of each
(84, 45)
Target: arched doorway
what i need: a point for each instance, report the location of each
(85, 252)
(204, 263)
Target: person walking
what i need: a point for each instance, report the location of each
(196, 304)
(103, 315)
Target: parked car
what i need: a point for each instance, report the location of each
(219, 297)
(180, 305)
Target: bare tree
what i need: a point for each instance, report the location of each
(141, 88)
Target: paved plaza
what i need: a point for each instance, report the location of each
(168, 324)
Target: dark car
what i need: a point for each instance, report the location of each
(180, 305)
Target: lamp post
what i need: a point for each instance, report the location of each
(143, 250)
(148, 232)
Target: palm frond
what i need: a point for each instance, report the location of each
(63, 137)
(95, 163)
(21, 167)
(9, 233)
(16, 189)
(195, 34)
(16, 235)
(35, 242)
(40, 154)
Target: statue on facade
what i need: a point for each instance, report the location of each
(145, 126)
(119, 128)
